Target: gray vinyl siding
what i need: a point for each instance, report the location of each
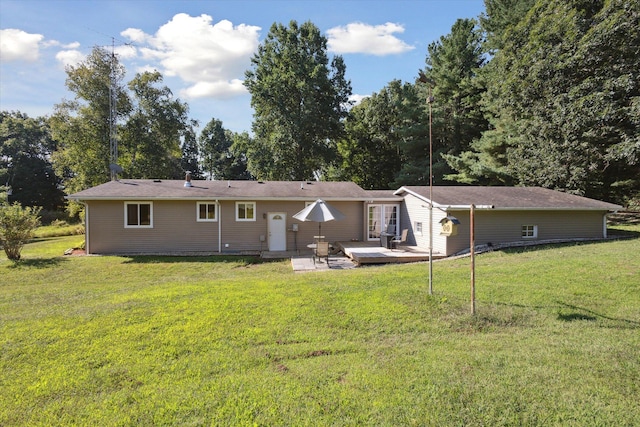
(495, 227)
(176, 230)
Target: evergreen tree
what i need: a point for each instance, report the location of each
(453, 65)
(563, 95)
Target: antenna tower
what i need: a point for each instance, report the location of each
(113, 116)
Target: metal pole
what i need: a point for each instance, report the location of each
(472, 245)
(430, 100)
(423, 79)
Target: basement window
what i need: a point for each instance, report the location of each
(529, 231)
(138, 215)
(206, 212)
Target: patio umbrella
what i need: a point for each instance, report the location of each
(319, 211)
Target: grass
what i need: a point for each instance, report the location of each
(234, 341)
(59, 229)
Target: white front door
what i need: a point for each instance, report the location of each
(277, 231)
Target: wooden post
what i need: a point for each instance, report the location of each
(472, 244)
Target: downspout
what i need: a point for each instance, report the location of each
(219, 226)
(86, 228)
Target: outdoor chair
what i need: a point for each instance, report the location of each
(321, 251)
(399, 239)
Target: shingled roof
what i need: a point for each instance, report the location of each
(131, 189)
(506, 198)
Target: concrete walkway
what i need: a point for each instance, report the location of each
(305, 263)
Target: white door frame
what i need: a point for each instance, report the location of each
(277, 231)
(381, 222)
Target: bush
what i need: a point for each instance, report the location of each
(17, 225)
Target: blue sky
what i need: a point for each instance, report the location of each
(202, 48)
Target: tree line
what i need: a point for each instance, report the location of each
(531, 93)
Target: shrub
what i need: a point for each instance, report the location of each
(17, 225)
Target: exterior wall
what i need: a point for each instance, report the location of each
(506, 226)
(245, 235)
(417, 210)
(175, 229)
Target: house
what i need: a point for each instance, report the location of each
(133, 216)
(501, 215)
(168, 216)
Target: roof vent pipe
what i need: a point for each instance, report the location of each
(302, 185)
(187, 180)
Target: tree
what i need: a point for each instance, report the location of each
(299, 99)
(81, 126)
(214, 146)
(223, 152)
(25, 161)
(17, 225)
(499, 17)
(378, 137)
(190, 154)
(236, 158)
(563, 97)
(151, 137)
(453, 65)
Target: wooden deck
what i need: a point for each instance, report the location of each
(372, 253)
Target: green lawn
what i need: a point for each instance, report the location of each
(232, 341)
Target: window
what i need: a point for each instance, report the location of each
(138, 215)
(417, 229)
(245, 211)
(529, 231)
(207, 212)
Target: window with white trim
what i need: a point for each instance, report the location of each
(529, 231)
(206, 212)
(417, 229)
(245, 211)
(138, 214)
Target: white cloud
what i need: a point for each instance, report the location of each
(70, 57)
(17, 45)
(220, 89)
(126, 51)
(356, 99)
(135, 35)
(363, 38)
(210, 57)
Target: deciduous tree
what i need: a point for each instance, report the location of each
(25, 161)
(300, 98)
(151, 137)
(81, 126)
